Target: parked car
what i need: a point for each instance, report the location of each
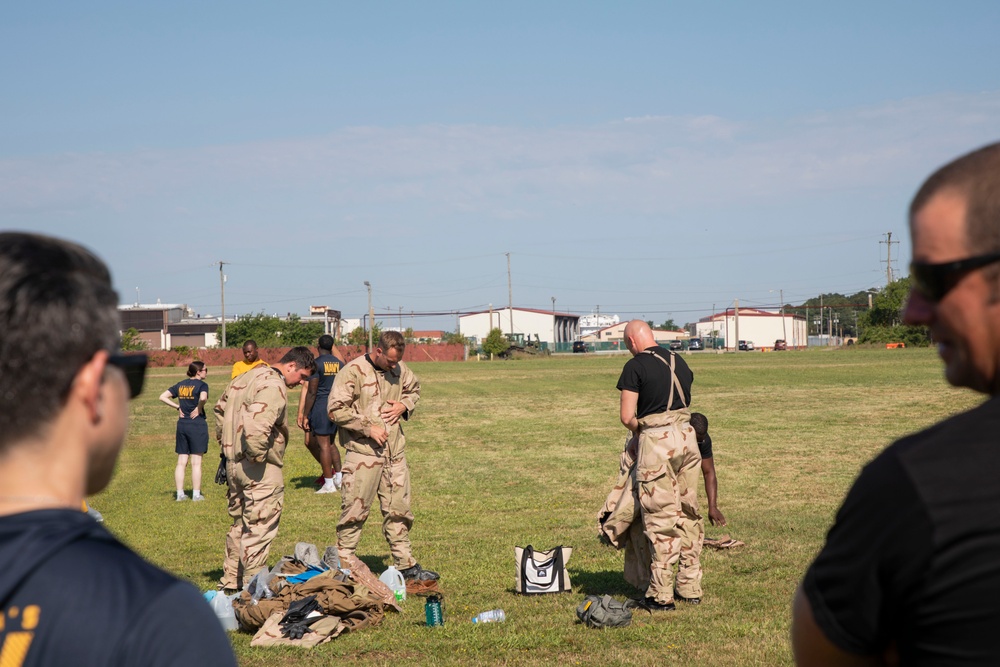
(780, 344)
(675, 345)
(696, 344)
(579, 346)
(746, 345)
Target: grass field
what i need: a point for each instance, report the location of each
(523, 452)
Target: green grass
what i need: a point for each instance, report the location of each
(523, 452)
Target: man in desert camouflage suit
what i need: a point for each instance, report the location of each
(369, 397)
(655, 390)
(250, 425)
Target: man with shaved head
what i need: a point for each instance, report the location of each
(655, 390)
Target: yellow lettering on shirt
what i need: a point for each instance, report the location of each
(15, 648)
(15, 644)
(330, 367)
(185, 392)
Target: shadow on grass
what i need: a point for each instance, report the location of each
(214, 574)
(608, 582)
(306, 482)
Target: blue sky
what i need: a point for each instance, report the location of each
(653, 159)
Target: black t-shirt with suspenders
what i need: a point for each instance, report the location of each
(650, 378)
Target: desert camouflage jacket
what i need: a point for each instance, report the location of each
(356, 401)
(250, 417)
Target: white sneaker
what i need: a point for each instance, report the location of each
(328, 487)
(196, 496)
(181, 497)
(338, 480)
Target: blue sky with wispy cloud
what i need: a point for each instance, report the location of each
(652, 159)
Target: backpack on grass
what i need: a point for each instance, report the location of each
(603, 611)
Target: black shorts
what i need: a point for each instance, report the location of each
(319, 419)
(192, 436)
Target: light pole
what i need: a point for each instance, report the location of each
(371, 315)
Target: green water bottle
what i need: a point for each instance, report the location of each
(433, 612)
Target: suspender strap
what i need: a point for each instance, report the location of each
(674, 382)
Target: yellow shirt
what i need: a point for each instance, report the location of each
(241, 367)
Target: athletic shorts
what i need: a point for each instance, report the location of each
(319, 419)
(192, 436)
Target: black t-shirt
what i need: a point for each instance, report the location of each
(705, 447)
(83, 598)
(650, 378)
(914, 554)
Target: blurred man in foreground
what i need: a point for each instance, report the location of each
(70, 593)
(910, 573)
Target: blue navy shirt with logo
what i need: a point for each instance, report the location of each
(327, 367)
(71, 594)
(188, 395)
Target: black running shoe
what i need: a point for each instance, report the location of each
(417, 573)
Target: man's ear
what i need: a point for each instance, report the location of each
(87, 384)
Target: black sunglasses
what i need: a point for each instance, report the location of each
(934, 281)
(134, 367)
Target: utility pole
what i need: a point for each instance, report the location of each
(888, 256)
(555, 332)
(371, 315)
(713, 326)
(400, 319)
(222, 288)
(821, 316)
(510, 298)
(784, 332)
(736, 323)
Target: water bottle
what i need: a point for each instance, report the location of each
(393, 578)
(433, 612)
(491, 616)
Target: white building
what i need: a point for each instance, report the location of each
(594, 322)
(616, 332)
(550, 327)
(761, 327)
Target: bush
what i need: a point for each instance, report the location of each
(495, 342)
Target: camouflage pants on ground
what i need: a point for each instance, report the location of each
(256, 497)
(667, 468)
(365, 477)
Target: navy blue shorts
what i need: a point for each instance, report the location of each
(319, 419)
(192, 436)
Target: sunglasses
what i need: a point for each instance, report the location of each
(134, 368)
(934, 281)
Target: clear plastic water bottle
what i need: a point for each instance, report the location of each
(491, 616)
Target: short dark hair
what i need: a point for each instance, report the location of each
(301, 356)
(389, 340)
(248, 341)
(976, 177)
(57, 308)
(699, 423)
(325, 342)
(195, 367)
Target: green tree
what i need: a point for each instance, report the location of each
(131, 340)
(271, 331)
(884, 322)
(669, 325)
(455, 338)
(359, 336)
(495, 342)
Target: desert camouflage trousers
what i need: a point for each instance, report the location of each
(256, 497)
(667, 467)
(365, 477)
